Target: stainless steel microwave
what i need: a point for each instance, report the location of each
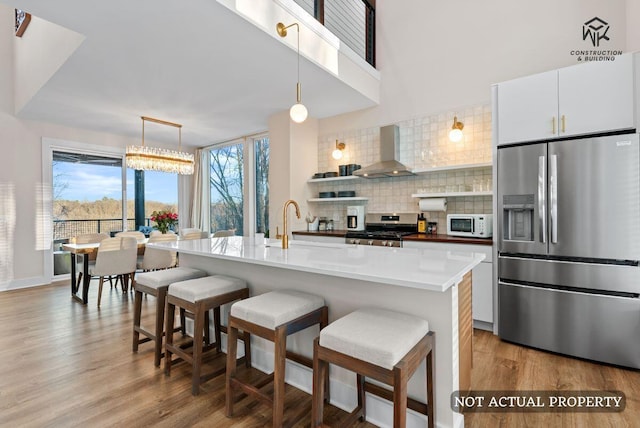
(470, 225)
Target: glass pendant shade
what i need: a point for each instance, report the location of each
(337, 154)
(455, 135)
(298, 113)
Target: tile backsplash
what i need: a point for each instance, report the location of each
(424, 144)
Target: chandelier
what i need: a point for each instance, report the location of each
(157, 159)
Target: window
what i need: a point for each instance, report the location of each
(87, 194)
(239, 186)
(160, 193)
(261, 147)
(227, 184)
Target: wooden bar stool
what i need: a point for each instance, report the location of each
(380, 344)
(198, 296)
(156, 284)
(272, 316)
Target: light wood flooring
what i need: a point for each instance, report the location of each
(65, 365)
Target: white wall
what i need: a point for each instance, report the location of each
(437, 56)
(293, 154)
(21, 190)
(633, 28)
(38, 54)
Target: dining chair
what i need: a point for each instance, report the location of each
(86, 238)
(116, 256)
(223, 233)
(157, 232)
(195, 234)
(188, 230)
(134, 234)
(155, 258)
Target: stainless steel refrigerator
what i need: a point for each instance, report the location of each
(569, 247)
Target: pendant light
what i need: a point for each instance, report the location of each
(298, 112)
(156, 159)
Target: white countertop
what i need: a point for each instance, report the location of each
(426, 269)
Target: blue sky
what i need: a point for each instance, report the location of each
(92, 182)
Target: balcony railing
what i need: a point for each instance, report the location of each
(353, 21)
(63, 230)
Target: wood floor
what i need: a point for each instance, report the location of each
(65, 365)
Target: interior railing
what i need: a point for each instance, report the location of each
(352, 21)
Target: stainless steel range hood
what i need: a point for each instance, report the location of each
(389, 153)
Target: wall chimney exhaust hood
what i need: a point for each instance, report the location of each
(389, 153)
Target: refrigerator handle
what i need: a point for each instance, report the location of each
(542, 197)
(553, 178)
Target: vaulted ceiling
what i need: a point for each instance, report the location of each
(193, 62)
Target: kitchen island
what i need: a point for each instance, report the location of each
(434, 285)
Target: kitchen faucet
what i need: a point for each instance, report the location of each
(285, 234)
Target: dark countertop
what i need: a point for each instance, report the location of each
(419, 237)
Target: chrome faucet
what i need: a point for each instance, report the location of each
(285, 234)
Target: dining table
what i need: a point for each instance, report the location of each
(86, 250)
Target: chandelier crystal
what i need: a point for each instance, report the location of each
(158, 159)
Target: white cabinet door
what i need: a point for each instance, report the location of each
(527, 108)
(482, 275)
(596, 97)
(482, 297)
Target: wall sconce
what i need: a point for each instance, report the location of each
(455, 135)
(298, 111)
(337, 153)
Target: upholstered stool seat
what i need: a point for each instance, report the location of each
(198, 296)
(272, 316)
(276, 308)
(384, 345)
(156, 284)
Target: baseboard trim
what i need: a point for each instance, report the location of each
(16, 284)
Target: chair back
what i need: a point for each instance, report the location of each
(159, 259)
(116, 256)
(223, 233)
(198, 234)
(89, 238)
(188, 230)
(157, 232)
(132, 233)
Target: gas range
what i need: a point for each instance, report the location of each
(384, 229)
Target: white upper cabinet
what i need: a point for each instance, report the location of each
(596, 97)
(527, 108)
(583, 99)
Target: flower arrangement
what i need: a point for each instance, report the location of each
(165, 220)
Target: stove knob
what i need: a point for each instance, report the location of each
(370, 242)
(384, 243)
(353, 241)
(357, 242)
